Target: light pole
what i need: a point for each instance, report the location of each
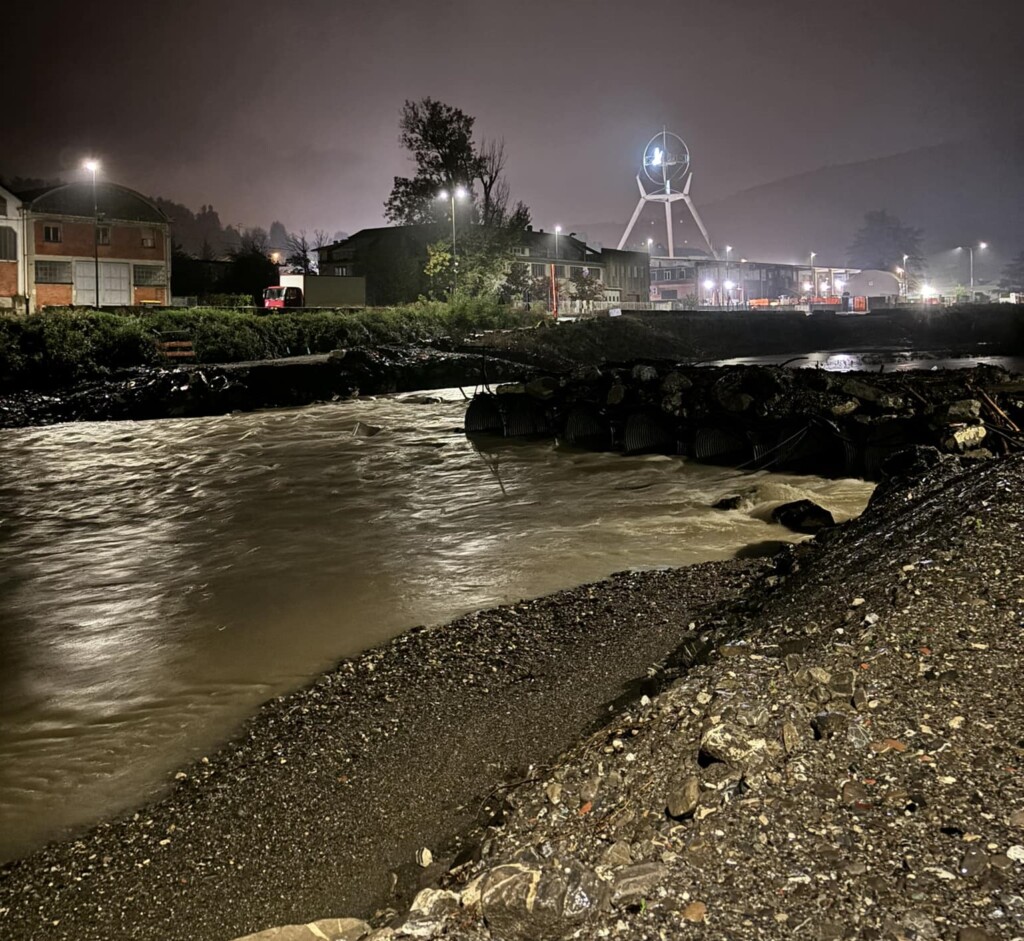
(92, 166)
(554, 275)
(970, 252)
(457, 193)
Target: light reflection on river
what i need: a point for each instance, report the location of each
(159, 580)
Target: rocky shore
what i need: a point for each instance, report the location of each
(824, 744)
(806, 420)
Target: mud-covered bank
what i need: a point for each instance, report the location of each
(189, 391)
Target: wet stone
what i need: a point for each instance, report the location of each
(855, 793)
(732, 743)
(974, 863)
(636, 882)
(803, 516)
(682, 799)
(791, 737)
(618, 854)
(523, 902)
(842, 683)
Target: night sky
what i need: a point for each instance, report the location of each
(289, 110)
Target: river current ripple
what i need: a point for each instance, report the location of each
(159, 580)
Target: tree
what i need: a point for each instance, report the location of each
(516, 286)
(493, 184)
(586, 286)
(882, 241)
(300, 253)
(1013, 275)
(251, 269)
(440, 139)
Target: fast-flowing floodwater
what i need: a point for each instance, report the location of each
(159, 580)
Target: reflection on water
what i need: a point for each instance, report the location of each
(159, 580)
(878, 361)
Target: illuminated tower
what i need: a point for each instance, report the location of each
(667, 166)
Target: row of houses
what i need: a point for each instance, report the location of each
(61, 244)
(392, 261)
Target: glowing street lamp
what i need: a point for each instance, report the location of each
(970, 251)
(458, 192)
(92, 165)
(650, 242)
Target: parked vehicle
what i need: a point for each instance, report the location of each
(312, 290)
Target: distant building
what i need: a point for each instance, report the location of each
(699, 280)
(57, 234)
(872, 283)
(392, 260)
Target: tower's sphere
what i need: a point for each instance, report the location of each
(666, 158)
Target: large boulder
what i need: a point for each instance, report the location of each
(803, 516)
(540, 900)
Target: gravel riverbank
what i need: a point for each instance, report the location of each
(321, 802)
(831, 749)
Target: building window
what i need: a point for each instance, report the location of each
(150, 275)
(8, 244)
(51, 233)
(342, 271)
(538, 271)
(103, 235)
(53, 272)
(148, 238)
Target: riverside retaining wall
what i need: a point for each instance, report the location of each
(807, 421)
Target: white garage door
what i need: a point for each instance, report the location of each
(85, 283)
(115, 283)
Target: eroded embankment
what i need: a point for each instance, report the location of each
(848, 764)
(190, 391)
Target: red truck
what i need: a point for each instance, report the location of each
(315, 290)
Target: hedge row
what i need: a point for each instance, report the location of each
(62, 346)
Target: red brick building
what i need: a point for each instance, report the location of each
(12, 274)
(62, 238)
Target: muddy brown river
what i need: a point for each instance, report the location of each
(159, 580)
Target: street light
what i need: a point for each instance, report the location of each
(457, 193)
(92, 166)
(555, 291)
(650, 242)
(970, 251)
